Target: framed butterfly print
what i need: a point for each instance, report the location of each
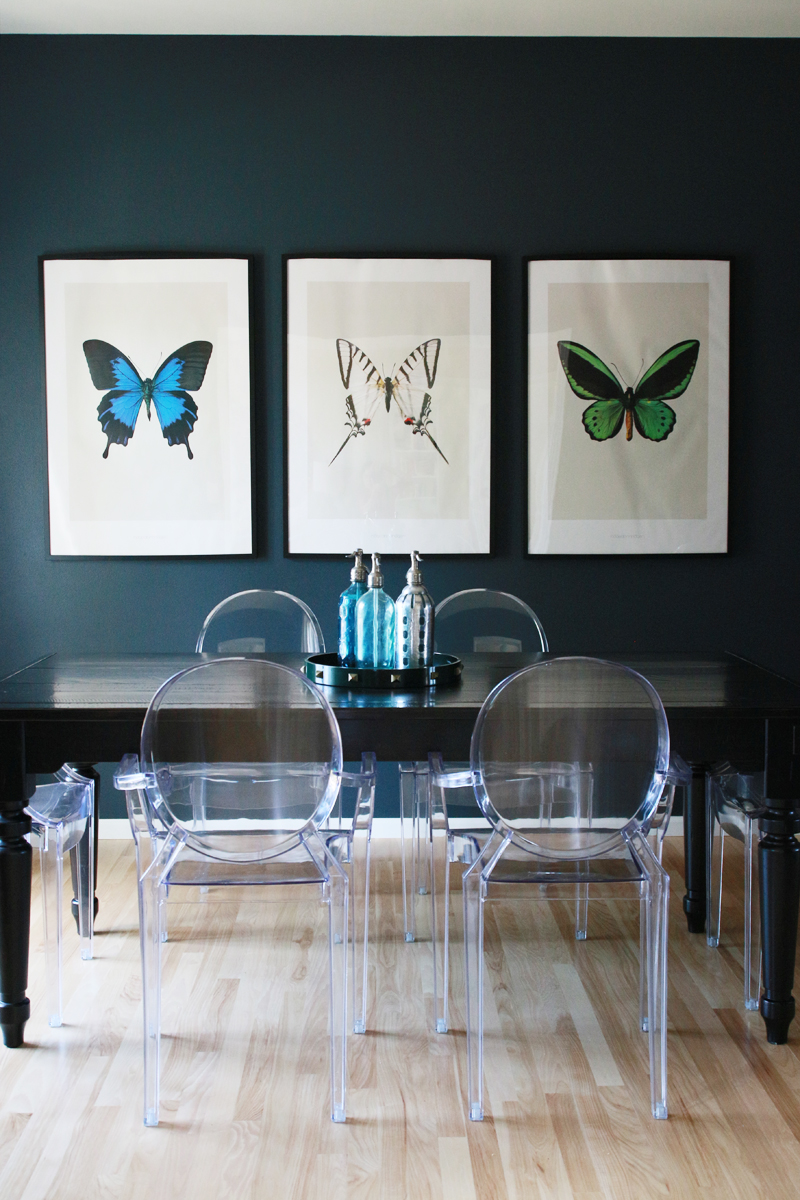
(628, 406)
(388, 405)
(148, 405)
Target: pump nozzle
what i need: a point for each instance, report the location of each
(358, 572)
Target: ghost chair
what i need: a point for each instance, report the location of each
(61, 816)
(734, 802)
(474, 621)
(607, 722)
(239, 770)
(260, 622)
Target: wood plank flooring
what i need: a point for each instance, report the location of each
(245, 1091)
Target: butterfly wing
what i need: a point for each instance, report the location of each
(654, 419)
(590, 379)
(603, 419)
(364, 385)
(175, 408)
(670, 374)
(119, 408)
(588, 375)
(409, 388)
(668, 377)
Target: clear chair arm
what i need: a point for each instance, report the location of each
(134, 783)
(441, 777)
(678, 773)
(128, 776)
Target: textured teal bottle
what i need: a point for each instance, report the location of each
(347, 610)
(375, 623)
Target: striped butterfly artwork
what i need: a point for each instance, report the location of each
(168, 391)
(408, 389)
(643, 407)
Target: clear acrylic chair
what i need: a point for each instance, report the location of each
(61, 816)
(259, 621)
(535, 730)
(734, 802)
(474, 621)
(239, 772)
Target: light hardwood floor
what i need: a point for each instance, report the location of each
(245, 1071)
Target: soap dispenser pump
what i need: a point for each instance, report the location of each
(375, 623)
(347, 609)
(415, 614)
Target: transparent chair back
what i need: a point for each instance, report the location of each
(260, 622)
(611, 720)
(241, 765)
(61, 815)
(482, 621)
(734, 802)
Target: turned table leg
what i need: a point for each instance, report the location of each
(15, 883)
(779, 877)
(694, 848)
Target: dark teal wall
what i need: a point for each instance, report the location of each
(508, 147)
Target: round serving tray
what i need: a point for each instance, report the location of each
(326, 670)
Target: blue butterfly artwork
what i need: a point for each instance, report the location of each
(168, 391)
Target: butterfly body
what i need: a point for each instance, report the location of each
(643, 407)
(167, 391)
(365, 386)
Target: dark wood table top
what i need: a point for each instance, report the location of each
(690, 685)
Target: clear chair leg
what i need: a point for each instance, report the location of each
(421, 828)
(84, 878)
(409, 831)
(752, 919)
(474, 891)
(715, 854)
(337, 899)
(150, 910)
(644, 1020)
(581, 911)
(52, 882)
(657, 932)
(440, 925)
(359, 925)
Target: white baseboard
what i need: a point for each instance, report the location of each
(382, 827)
(115, 829)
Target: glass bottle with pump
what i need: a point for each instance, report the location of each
(415, 612)
(375, 623)
(347, 610)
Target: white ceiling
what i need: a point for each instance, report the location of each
(543, 18)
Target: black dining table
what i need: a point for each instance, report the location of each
(720, 707)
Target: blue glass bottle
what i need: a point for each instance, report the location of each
(375, 623)
(347, 610)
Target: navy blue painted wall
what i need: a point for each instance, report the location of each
(506, 147)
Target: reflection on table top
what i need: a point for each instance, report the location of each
(689, 684)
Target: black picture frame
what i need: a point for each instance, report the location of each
(146, 498)
(347, 278)
(599, 483)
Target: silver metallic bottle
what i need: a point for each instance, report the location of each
(414, 622)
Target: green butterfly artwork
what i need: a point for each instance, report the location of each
(643, 406)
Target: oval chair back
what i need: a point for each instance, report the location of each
(479, 620)
(259, 621)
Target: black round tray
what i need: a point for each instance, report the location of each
(326, 670)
